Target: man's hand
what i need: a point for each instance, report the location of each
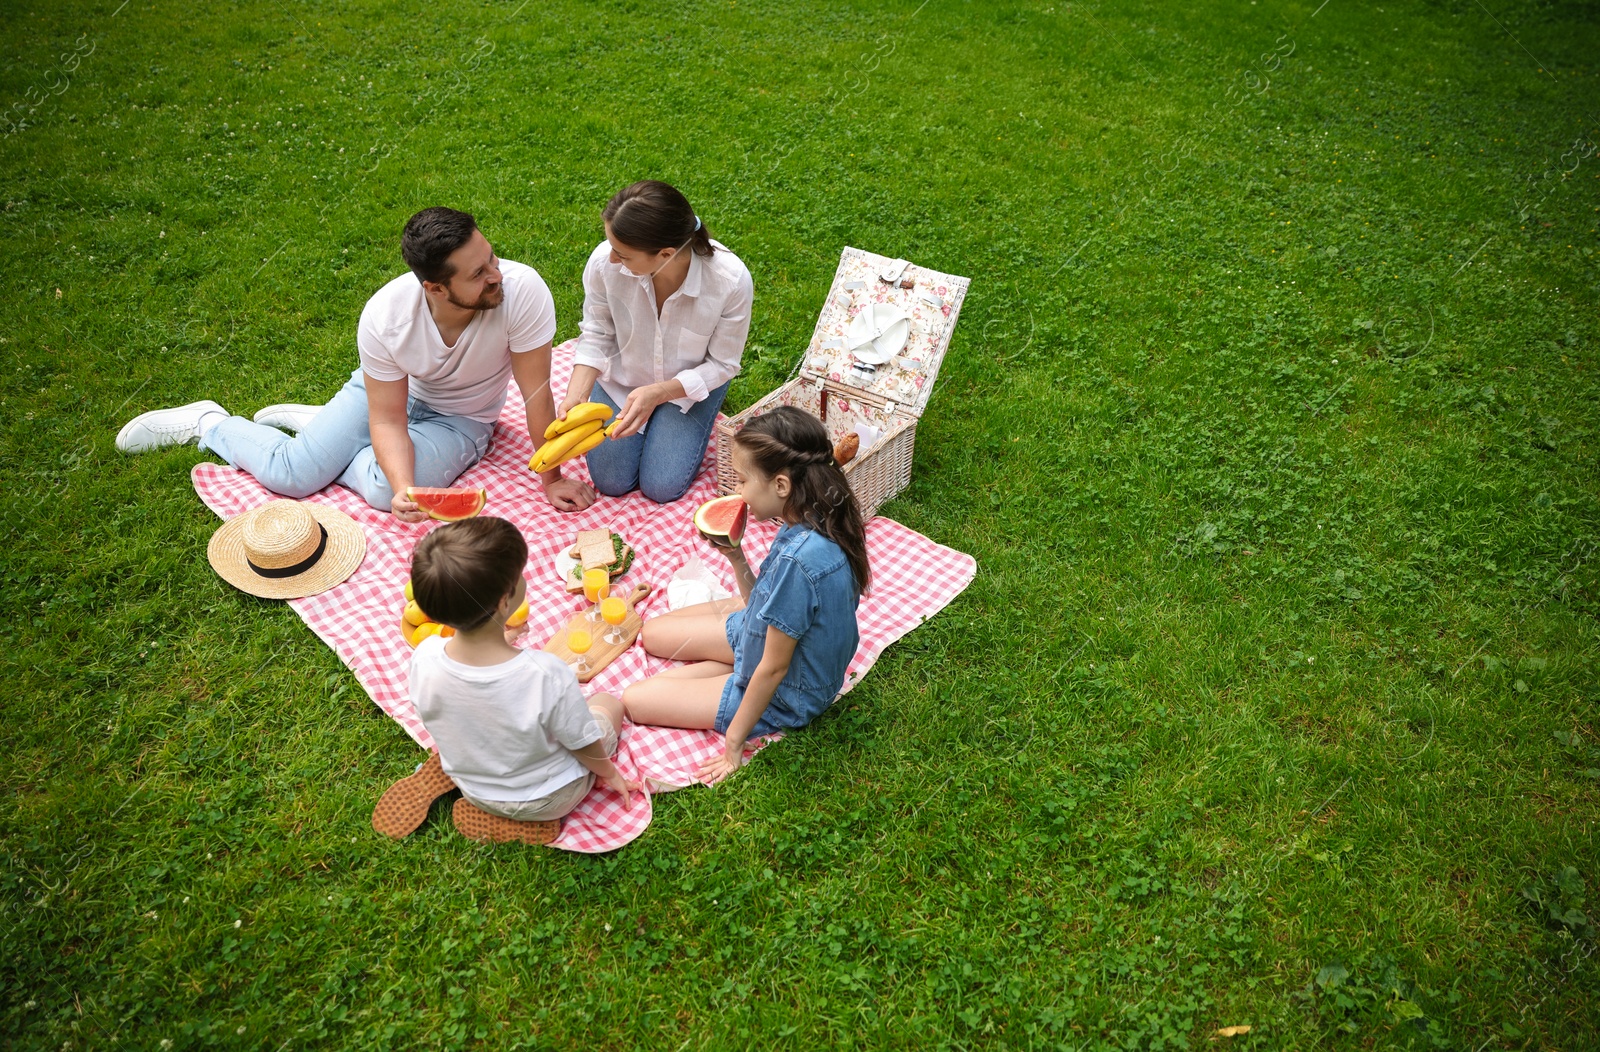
(406, 510)
(717, 768)
(635, 412)
(568, 494)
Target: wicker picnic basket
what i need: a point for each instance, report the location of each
(859, 387)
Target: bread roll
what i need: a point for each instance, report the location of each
(847, 448)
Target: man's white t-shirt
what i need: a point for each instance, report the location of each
(507, 731)
(398, 340)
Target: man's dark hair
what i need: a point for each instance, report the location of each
(429, 238)
(460, 572)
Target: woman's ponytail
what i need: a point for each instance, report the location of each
(788, 441)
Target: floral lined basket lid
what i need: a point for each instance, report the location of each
(884, 328)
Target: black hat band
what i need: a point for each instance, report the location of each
(298, 568)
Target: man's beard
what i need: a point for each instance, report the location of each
(491, 297)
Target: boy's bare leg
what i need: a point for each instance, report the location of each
(663, 702)
(686, 636)
(610, 705)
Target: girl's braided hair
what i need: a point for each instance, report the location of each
(788, 441)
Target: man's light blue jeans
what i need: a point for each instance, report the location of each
(336, 446)
(663, 459)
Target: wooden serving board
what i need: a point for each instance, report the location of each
(601, 653)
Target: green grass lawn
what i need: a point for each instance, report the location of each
(1271, 421)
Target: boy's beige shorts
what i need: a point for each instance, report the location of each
(559, 803)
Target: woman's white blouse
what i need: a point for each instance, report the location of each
(698, 338)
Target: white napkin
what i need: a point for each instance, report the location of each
(869, 436)
(692, 584)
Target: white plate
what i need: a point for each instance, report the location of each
(878, 333)
(564, 565)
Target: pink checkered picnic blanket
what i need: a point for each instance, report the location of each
(912, 579)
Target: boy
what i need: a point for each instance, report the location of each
(512, 727)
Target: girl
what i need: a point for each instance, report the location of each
(665, 314)
(777, 659)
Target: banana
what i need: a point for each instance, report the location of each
(577, 416)
(556, 450)
(587, 444)
(613, 426)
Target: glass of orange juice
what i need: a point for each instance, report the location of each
(613, 611)
(596, 586)
(579, 641)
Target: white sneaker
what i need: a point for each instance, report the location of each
(165, 427)
(290, 416)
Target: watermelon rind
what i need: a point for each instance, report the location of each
(448, 505)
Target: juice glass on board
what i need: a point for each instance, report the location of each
(579, 641)
(596, 586)
(613, 611)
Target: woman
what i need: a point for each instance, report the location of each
(665, 314)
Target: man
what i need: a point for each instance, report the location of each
(436, 348)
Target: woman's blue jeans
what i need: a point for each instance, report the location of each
(662, 460)
(336, 446)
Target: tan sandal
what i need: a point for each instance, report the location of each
(404, 805)
(474, 823)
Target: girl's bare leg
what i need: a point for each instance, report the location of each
(698, 670)
(715, 606)
(695, 633)
(661, 701)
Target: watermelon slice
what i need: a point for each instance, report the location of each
(448, 505)
(723, 517)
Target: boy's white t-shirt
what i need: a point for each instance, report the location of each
(398, 339)
(506, 731)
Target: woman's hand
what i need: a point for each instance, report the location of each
(637, 409)
(571, 402)
(717, 768)
(580, 388)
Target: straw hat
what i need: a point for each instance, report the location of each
(287, 550)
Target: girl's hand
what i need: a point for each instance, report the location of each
(733, 550)
(622, 785)
(636, 410)
(717, 768)
(514, 634)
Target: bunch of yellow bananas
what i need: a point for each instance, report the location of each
(580, 432)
